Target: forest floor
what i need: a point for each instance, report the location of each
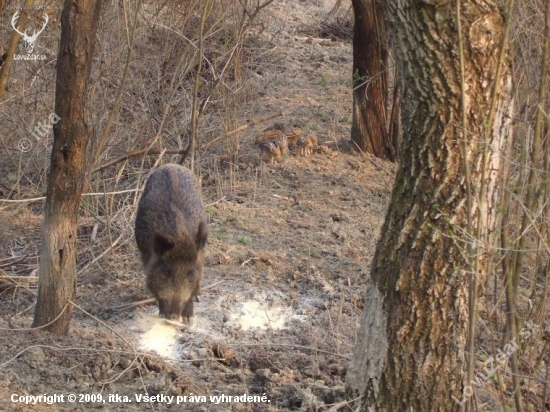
(289, 252)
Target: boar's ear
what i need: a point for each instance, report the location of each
(161, 244)
(202, 235)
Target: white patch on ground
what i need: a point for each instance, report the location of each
(203, 326)
(254, 314)
(157, 335)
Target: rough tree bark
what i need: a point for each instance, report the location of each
(68, 169)
(369, 130)
(410, 351)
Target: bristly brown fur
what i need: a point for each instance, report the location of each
(171, 233)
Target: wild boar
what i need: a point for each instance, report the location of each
(171, 234)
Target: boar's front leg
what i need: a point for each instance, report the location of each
(188, 309)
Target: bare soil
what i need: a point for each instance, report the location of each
(289, 253)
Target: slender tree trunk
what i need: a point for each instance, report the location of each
(68, 169)
(369, 130)
(12, 46)
(194, 135)
(410, 352)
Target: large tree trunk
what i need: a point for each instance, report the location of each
(68, 169)
(410, 352)
(369, 130)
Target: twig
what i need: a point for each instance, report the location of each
(212, 285)
(371, 159)
(14, 278)
(257, 9)
(19, 259)
(526, 377)
(216, 202)
(136, 153)
(337, 406)
(133, 304)
(111, 247)
(248, 261)
(104, 324)
(34, 199)
(83, 194)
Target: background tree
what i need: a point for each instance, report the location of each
(443, 216)
(370, 80)
(69, 165)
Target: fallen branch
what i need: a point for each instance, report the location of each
(133, 305)
(247, 261)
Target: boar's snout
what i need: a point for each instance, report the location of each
(169, 311)
(175, 290)
(165, 312)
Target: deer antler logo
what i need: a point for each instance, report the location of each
(29, 40)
